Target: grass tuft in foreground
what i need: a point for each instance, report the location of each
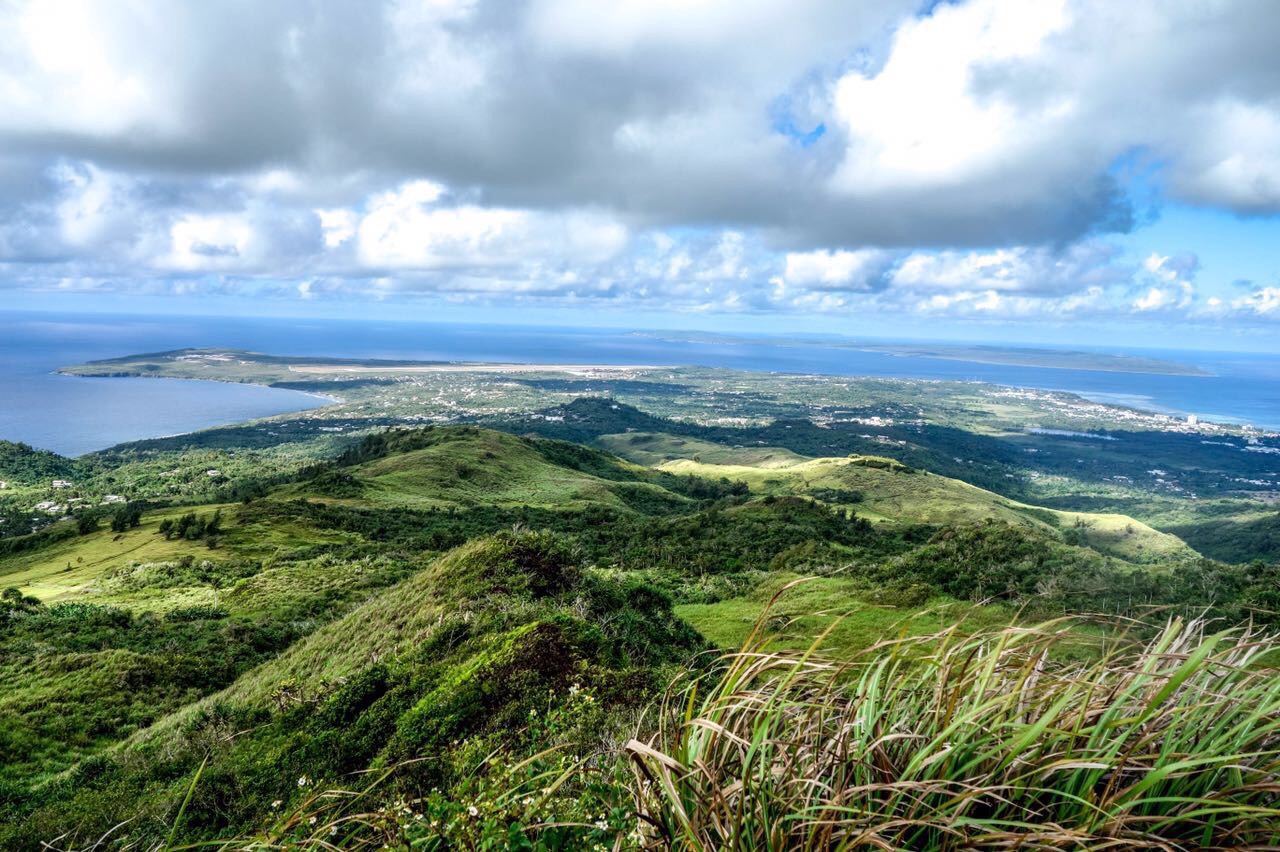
(953, 741)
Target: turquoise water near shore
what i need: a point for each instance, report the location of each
(76, 415)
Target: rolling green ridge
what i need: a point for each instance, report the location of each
(209, 632)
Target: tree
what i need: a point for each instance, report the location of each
(126, 517)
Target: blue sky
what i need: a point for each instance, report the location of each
(1068, 171)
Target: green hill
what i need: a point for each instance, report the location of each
(464, 651)
(466, 466)
(24, 465)
(449, 603)
(886, 491)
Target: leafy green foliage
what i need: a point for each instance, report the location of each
(25, 465)
(1234, 541)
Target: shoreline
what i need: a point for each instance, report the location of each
(327, 400)
(481, 367)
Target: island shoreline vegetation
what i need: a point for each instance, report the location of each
(442, 612)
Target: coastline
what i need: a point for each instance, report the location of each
(317, 366)
(330, 399)
(324, 401)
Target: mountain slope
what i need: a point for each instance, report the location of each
(465, 466)
(887, 491)
(455, 658)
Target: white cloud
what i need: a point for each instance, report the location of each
(1265, 301)
(338, 224)
(657, 152)
(836, 270)
(1022, 269)
(1002, 108)
(1153, 300)
(920, 122)
(1234, 161)
(202, 242)
(415, 227)
(91, 204)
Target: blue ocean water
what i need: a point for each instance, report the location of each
(74, 415)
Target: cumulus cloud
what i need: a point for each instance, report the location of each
(1173, 287)
(745, 155)
(836, 270)
(1264, 301)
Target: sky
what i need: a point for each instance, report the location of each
(1069, 171)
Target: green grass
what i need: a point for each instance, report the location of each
(845, 611)
(78, 568)
(985, 741)
(324, 639)
(898, 496)
(477, 467)
(71, 567)
(451, 663)
(654, 448)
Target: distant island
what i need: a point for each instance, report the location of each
(1054, 359)
(1008, 356)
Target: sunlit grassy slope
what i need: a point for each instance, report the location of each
(460, 468)
(654, 448)
(883, 490)
(473, 467)
(469, 467)
(77, 567)
(842, 609)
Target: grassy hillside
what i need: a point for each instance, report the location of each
(443, 605)
(450, 663)
(467, 467)
(654, 448)
(850, 616)
(884, 490)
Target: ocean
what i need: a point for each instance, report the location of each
(77, 415)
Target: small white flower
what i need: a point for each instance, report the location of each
(575, 689)
(302, 780)
(277, 803)
(311, 821)
(473, 810)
